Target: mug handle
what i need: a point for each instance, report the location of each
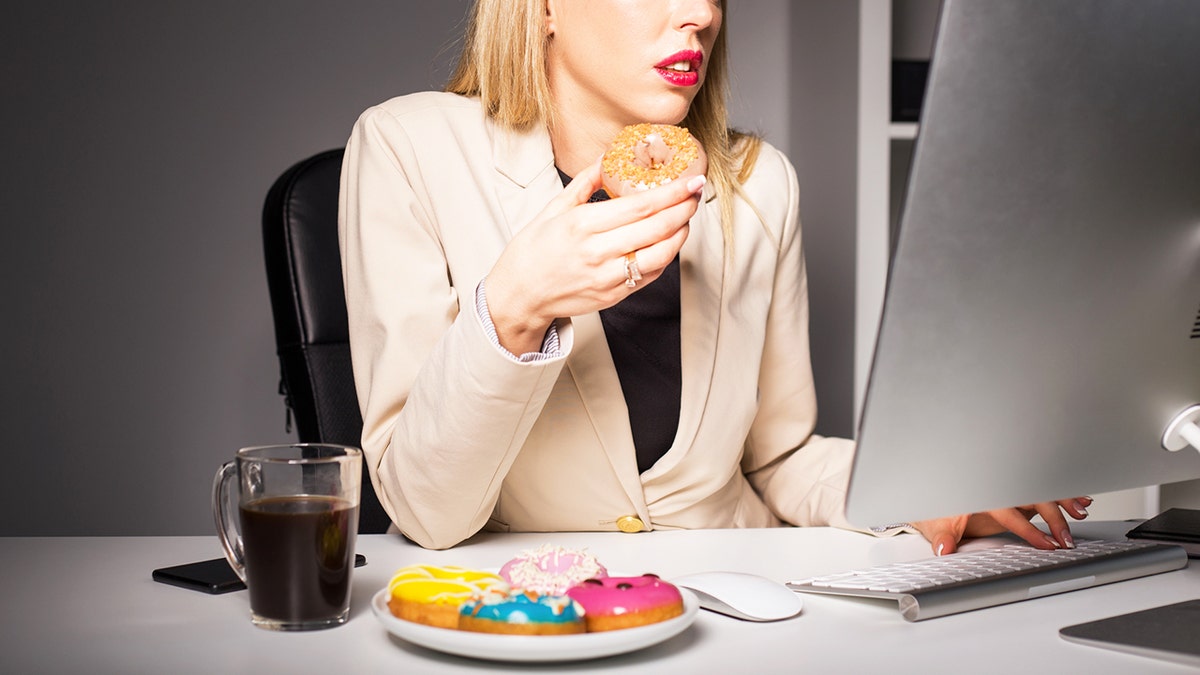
(227, 530)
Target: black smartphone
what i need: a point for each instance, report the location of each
(212, 576)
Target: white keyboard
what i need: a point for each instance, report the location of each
(986, 577)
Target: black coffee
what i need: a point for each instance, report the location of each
(299, 554)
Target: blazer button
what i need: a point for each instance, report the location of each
(630, 524)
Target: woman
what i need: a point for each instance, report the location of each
(513, 373)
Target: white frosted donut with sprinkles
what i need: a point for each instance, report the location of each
(550, 569)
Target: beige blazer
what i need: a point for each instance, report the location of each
(459, 436)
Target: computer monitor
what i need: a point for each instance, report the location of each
(1041, 327)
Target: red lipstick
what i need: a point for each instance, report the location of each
(682, 68)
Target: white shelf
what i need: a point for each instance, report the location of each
(902, 131)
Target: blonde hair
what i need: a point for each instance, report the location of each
(503, 62)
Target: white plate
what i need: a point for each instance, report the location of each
(531, 648)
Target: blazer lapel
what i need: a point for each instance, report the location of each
(702, 278)
(528, 181)
(591, 366)
(702, 265)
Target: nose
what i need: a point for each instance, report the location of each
(697, 15)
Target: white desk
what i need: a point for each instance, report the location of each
(88, 605)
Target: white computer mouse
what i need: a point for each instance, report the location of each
(742, 596)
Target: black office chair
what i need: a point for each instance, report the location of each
(304, 276)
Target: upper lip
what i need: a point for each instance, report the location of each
(691, 57)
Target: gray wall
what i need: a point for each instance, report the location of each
(823, 101)
(142, 137)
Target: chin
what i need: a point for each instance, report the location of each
(668, 107)
(662, 114)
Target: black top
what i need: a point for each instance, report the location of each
(643, 336)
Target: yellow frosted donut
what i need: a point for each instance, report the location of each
(644, 156)
(431, 595)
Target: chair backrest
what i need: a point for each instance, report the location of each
(308, 302)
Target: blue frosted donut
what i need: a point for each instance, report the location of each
(522, 613)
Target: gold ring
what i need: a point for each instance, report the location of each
(632, 273)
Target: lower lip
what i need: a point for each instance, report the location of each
(680, 78)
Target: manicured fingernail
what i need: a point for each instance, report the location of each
(1065, 535)
(696, 183)
(1080, 508)
(945, 546)
(1052, 541)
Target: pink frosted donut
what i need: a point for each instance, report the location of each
(551, 570)
(643, 156)
(613, 603)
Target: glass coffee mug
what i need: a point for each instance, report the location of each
(292, 540)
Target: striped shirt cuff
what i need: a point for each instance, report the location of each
(550, 346)
(881, 529)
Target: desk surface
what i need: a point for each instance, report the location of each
(89, 605)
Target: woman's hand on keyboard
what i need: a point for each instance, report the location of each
(944, 534)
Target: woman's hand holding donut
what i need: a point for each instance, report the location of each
(570, 259)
